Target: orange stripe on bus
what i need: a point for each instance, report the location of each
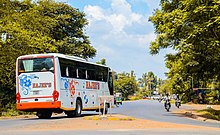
(38, 105)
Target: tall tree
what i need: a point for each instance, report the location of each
(191, 27)
(41, 26)
(45, 26)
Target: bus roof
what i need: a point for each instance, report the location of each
(61, 56)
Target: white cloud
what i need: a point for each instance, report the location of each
(94, 12)
(118, 22)
(123, 36)
(121, 7)
(119, 16)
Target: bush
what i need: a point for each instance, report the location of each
(10, 110)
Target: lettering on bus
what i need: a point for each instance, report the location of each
(41, 85)
(92, 85)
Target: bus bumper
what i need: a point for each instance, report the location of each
(38, 105)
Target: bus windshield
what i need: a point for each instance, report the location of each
(35, 65)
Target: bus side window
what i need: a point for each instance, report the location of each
(105, 75)
(91, 75)
(82, 73)
(72, 72)
(63, 69)
(100, 76)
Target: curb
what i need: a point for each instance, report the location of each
(113, 118)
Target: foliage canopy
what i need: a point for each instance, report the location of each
(192, 28)
(42, 26)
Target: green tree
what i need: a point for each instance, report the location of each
(102, 62)
(191, 27)
(150, 83)
(42, 26)
(126, 84)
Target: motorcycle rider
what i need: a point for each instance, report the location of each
(167, 100)
(177, 100)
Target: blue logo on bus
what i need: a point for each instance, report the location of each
(25, 83)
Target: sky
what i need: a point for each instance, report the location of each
(120, 32)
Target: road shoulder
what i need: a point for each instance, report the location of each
(192, 111)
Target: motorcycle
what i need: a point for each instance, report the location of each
(167, 105)
(177, 103)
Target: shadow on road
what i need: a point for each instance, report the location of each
(61, 116)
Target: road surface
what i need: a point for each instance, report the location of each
(154, 110)
(144, 109)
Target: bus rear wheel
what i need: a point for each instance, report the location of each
(78, 110)
(44, 114)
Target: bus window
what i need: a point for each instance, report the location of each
(72, 72)
(28, 65)
(105, 74)
(35, 65)
(100, 76)
(63, 70)
(81, 73)
(21, 66)
(91, 75)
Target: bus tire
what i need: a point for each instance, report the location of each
(44, 114)
(78, 110)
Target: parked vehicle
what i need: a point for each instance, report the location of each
(156, 97)
(118, 98)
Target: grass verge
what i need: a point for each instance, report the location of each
(209, 113)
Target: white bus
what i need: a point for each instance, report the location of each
(47, 83)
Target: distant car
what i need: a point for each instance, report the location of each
(156, 97)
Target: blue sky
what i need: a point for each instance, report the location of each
(121, 33)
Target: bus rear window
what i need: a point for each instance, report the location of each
(36, 65)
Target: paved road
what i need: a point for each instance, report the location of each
(115, 132)
(144, 109)
(154, 110)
